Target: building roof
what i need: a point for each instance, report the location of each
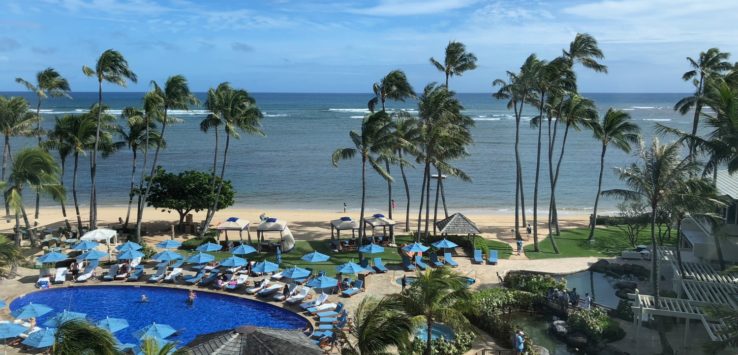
(457, 224)
(249, 340)
(727, 184)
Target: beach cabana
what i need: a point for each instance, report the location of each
(234, 224)
(342, 224)
(380, 221)
(274, 225)
(457, 224)
(101, 235)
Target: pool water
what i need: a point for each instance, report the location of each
(438, 331)
(537, 329)
(596, 284)
(211, 312)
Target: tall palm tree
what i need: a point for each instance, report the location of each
(437, 295)
(34, 168)
(15, 121)
(617, 129)
(175, 95)
(63, 149)
(110, 67)
(585, 51)
(212, 121)
(136, 133)
(378, 325)
(82, 337)
(374, 128)
(655, 178)
(404, 140)
(708, 65)
(10, 255)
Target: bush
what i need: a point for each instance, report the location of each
(613, 331)
(489, 310)
(191, 244)
(459, 346)
(590, 322)
(623, 311)
(147, 250)
(537, 284)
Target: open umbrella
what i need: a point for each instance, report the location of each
(233, 261)
(351, 268)
(31, 310)
(243, 249)
(265, 266)
(52, 257)
(415, 248)
(43, 338)
(62, 317)
(445, 243)
(169, 244)
(200, 258)
(86, 245)
(2, 304)
(92, 255)
(209, 247)
(10, 330)
(155, 330)
(130, 255)
(113, 324)
(167, 255)
(129, 246)
(315, 257)
(295, 273)
(371, 249)
(322, 281)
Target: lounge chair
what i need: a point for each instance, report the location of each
(159, 275)
(450, 259)
(434, 260)
(298, 295)
(61, 275)
(379, 266)
(322, 334)
(365, 264)
(338, 325)
(492, 258)
(123, 275)
(477, 259)
(238, 282)
(322, 308)
(89, 271)
(270, 290)
(135, 262)
(177, 264)
(279, 296)
(419, 262)
(193, 279)
(43, 282)
(333, 319)
(316, 302)
(255, 289)
(407, 264)
(208, 280)
(137, 273)
(110, 274)
(330, 314)
(220, 285)
(173, 275)
(353, 290)
(276, 276)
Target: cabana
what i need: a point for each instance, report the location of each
(101, 235)
(380, 221)
(342, 224)
(234, 224)
(457, 224)
(287, 241)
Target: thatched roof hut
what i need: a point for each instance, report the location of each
(457, 224)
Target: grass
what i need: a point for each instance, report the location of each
(609, 241)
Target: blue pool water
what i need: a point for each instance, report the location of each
(210, 313)
(438, 331)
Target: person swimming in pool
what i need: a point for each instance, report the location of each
(144, 298)
(191, 297)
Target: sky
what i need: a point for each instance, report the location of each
(345, 46)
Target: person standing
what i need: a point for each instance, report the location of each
(344, 207)
(519, 243)
(519, 343)
(75, 270)
(528, 229)
(404, 282)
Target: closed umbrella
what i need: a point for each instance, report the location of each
(113, 324)
(167, 255)
(130, 255)
(92, 255)
(209, 247)
(315, 257)
(62, 317)
(129, 246)
(200, 258)
(154, 330)
(243, 249)
(265, 266)
(415, 248)
(233, 261)
(295, 273)
(52, 257)
(41, 339)
(322, 281)
(169, 244)
(371, 249)
(86, 245)
(31, 310)
(351, 268)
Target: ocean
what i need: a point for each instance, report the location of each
(291, 167)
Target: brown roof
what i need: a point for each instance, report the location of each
(249, 340)
(457, 224)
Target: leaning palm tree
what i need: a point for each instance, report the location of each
(111, 67)
(10, 255)
(617, 129)
(212, 121)
(34, 168)
(63, 149)
(49, 83)
(82, 337)
(585, 50)
(404, 140)
(15, 121)
(438, 295)
(378, 325)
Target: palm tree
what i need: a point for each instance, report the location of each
(15, 120)
(175, 95)
(617, 129)
(111, 67)
(710, 64)
(405, 136)
(10, 255)
(82, 337)
(151, 346)
(378, 325)
(374, 128)
(212, 121)
(656, 178)
(585, 50)
(437, 295)
(237, 111)
(34, 168)
(134, 135)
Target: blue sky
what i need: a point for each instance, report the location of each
(344, 46)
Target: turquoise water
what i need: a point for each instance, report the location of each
(537, 329)
(438, 331)
(291, 168)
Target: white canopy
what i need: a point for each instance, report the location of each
(234, 224)
(379, 220)
(345, 223)
(272, 225)
(101, 234)
(276, 225)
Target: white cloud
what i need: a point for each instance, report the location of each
(412, 7)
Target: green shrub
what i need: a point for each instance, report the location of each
(612, 331)
(590, 322)
(191, 244)
(147, 250)
(624, 310)
(537, 284)
(459, 346)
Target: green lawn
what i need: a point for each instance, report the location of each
(609, 241)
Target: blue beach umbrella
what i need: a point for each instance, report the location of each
(265, 266)
(130, 255)
(43, 338)
(10, 330)
(167, 255)
(209, 247)
(2, 304)
(243, 249)
(85, 245)
(52, 257)
(371, 249)
(154, 330)
(169, 244)
(92, 255)
(315, 257)
(62, 317)
(322, 281)
(445, 243)
(200, 258)
(129, 246)
(351, 268)
(233, 261)
(296, 273)
(31, 310)
(113, 324)
(415, 248)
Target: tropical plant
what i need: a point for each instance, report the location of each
(15, 120)
(111, 67)
(437, 295)
(10, 255)
(617, 129)
(75, 337)
(585, 51)
(151, 346)
(404, 139)
(213, 122)
(153, 108)
(34, 168)
(378, 325)
(237, 111)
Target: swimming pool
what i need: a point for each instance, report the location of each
(596, 284)
(211, 312)
(438, 331)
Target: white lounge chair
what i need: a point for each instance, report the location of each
(277, 276)
(238, 282)
(322, 308)
(255, 289)
(135, 262)
(299, 295)
(173, 275)
(269, 290)
(159, 275)
(88, 272)
(61, 275)
(316, 302)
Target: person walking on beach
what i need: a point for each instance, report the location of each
(344, 207)
(519, 243)
(394, 205)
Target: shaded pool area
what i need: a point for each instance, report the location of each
(438, 331)
(536, 328)
(211, 312)
(596, 284)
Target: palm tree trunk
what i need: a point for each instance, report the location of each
(556, 179)
(517, 175)
(93, 165)
(407, 193)
(538, 173)
(61, 202)
(142, 197)
(389, 198)
(18, 235)
(31, 232)
(422, 200)
(215, 155)
(435, 208)
(6, 158)
(38, 132)
(429, 342)
(427, 206)
(362, 225)
(654, 259)
(678, 244)
(130, 192)
(696, 118)
(443, 198)
(593, 222)
(209, 219)
(74, 194)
